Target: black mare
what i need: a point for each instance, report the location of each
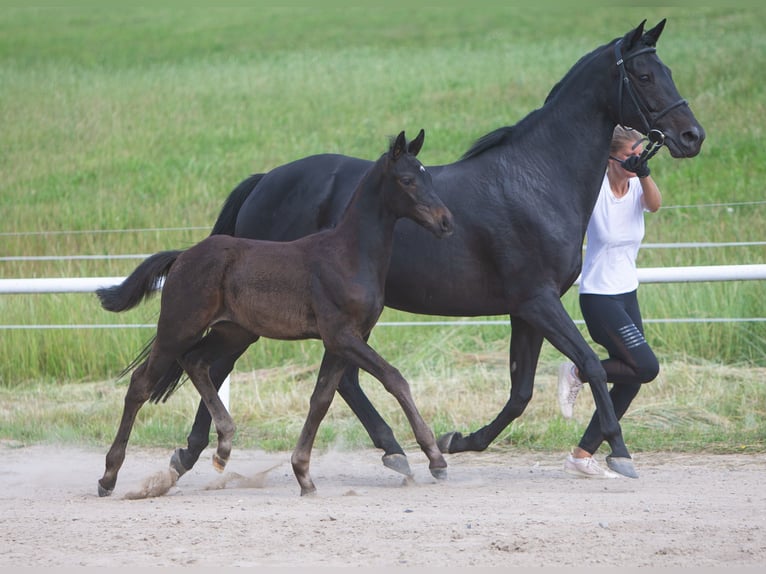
(224, 293)
(521, 197)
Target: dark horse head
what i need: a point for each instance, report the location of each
(647, 97)
(413, 196)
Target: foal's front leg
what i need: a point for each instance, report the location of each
(330, 372)
(365, 357)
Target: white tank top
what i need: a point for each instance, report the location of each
(614, 235)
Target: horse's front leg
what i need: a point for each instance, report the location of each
(557, 326)
(526, 342)
(380, 432)
(330, 372)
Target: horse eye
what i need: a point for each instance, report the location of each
(407, 180)
(644, 78)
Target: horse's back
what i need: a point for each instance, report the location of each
(301, 197)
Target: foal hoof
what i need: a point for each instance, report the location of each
(176, 464)
(446, 441)
(398, 463)
(219, 463)
(622, 465)
(102, 492)
(439, 473)
(312, 491)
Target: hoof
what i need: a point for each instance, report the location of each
(219, 463)
(439, 473)
(622, 465)
(176, 464)
(102, 492)
(398, 463)
(446, 440)
(308, 491)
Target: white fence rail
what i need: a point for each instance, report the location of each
(645, 275)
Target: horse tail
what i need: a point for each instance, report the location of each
(170, 380)
(227, 219)
(141, 284)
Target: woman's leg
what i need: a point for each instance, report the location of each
(614, 322)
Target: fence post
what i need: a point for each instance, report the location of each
(224, 391)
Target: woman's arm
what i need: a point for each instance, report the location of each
(652, 198)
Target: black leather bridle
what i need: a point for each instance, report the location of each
(655, 136)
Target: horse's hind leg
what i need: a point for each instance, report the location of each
(222, 339)
(381, 434)
(137, 394)
(330, 372)
(361, 354)
(526, 342)
(184, 459)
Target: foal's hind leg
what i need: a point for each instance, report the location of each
(330, 372)
(137, 394)
(184, 459)
(222, 339)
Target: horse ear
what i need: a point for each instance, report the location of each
(651, 37)
(399, 146)
(415, 145)
(633, 37)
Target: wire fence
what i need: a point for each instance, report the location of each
(90, 284)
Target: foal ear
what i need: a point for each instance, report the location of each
(399, 146)
(417, 143)
(632, 38)
(651, 37)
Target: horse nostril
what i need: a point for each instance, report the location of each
(447, 223)
(693, 135)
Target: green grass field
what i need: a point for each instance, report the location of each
(144, 119)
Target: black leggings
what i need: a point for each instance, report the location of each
(614, 322)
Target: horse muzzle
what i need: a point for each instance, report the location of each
(686, 143)
(441, 223)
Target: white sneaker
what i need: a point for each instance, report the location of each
(569, 386)
(586, 468)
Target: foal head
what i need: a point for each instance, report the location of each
(409, 190)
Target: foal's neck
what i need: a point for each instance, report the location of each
(368, 222)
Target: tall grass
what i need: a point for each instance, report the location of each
(136, 118)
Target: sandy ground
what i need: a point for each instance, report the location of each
(495, 509)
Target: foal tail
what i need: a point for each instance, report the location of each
(227, 219)
(144, 282)
(139, 285)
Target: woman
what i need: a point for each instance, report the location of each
(608, 293)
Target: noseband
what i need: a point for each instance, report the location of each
(656, 140)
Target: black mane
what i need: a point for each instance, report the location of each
(502, 136)
(498, 137)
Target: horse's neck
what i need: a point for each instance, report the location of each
(572, 132)
(368, 224)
